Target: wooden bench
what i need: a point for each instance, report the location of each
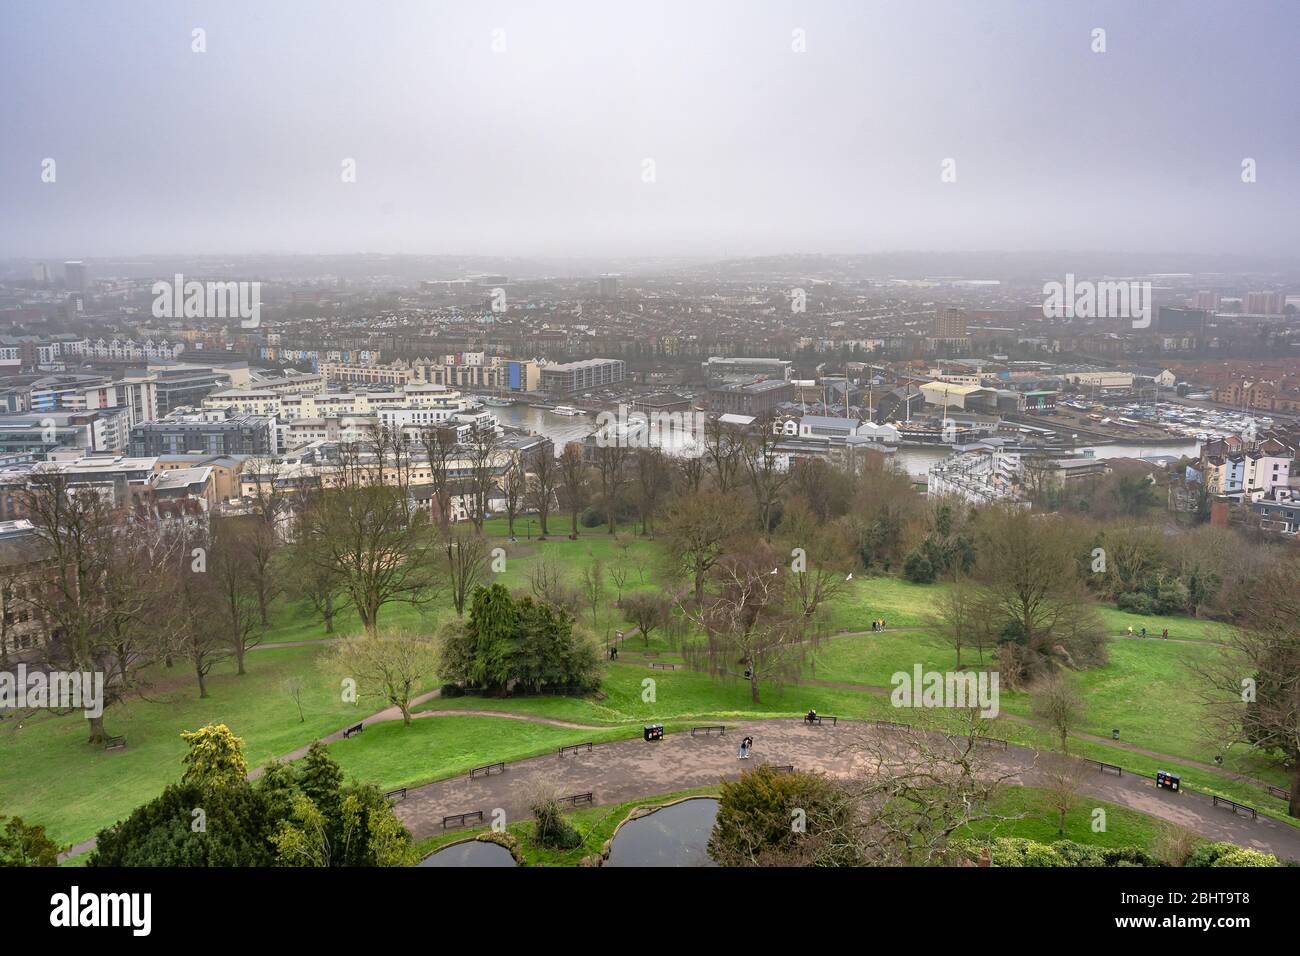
(819, 719)
(784, 768)
(1279, 793)
(575, 748)
(115, 743)
(574, 799)
(354, 730)
(997, 743)
(488, 770)
(461, 819)
(393, 796)
(1236, 807)
(715, 728)
(1109, 768)
(890, 725)
(657, 666)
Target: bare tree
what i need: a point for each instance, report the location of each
(361, 529)
(699, 528)
(515, 491)
(821, 556)
(573, 482)
(750, 623)
(464, 555)
(618, 571)
(483, 462)
(593, 587)
(918, 790)
(232, 592)
(97, 590)
(767, 472)
(440, 450)
(611, 466)
(652, 480)
(647, 612)
(723, 448)
(1062, 778)
(541, 491)
(689, 473)
(1056, 701)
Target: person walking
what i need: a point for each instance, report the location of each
(1165, 634)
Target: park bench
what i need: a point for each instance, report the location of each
(819, 719)
(1279, 793)
(574, 748)
(784, 768)
(354, 730)
(461, 819)
(997, 743)
(659, 666)
(714, 728)
(574, 799)
(1236, 807)
(890, 725)
(115, 743)
(392, 796)
(488, 770)
(1109, 768)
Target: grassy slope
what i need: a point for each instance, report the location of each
(57, 780)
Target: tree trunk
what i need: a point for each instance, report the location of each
(240, 651)
(97, 735)
(329, 613)
(753, 685)
(203, 681)
(1293, 808)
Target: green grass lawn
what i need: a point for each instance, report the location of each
(391, 755)
(57, 779)
(49, 775)
(1038, 820)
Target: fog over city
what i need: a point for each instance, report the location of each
(610, 129)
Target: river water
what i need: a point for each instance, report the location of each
(915, 461)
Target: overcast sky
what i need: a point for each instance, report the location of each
(542, 148)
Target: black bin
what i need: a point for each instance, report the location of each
(654, 731)
(1166, 780)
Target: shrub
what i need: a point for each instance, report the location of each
(918, 569)
(1135, 602)
(1240, 856)
(550, 828)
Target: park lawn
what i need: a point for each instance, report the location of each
(1180, 628)
(1124, 827)
(899, 602)
(392, 755)
(872, 659)
(50, 775)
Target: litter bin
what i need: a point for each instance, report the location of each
(654, 731)
(1166, 780)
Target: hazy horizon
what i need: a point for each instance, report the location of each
(539, 150)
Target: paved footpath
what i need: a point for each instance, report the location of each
(627, 770)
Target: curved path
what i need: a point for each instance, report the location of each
(630, 769)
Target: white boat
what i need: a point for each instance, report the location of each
(567, 410)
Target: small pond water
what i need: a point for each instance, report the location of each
(674, 836)
(470, 853)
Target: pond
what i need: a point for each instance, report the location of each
(470, 853)
(674, 836)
